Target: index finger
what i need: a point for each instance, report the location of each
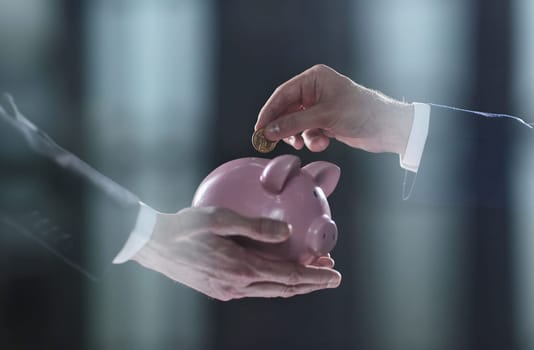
(273, 290)
(293, 273)
(299, 90)
(226, 222)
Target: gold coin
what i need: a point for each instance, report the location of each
(260, 143)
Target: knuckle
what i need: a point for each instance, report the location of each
(280, 93)
(288, 124)
(325, 120)
(217, 217)
(257, 226)
(239, 273)
(245, 274)
(294, 277)
(265, 227)
(223, 296)
(319, 68)
(225, 292)
(209, 210)
(288, 291)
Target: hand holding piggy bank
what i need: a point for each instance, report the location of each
(278, 189)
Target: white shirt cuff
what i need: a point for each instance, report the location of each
(140, 235)
(411, 158)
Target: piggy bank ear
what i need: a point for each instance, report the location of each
(326, 175)
(278, 171)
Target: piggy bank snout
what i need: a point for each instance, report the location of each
(322, 235)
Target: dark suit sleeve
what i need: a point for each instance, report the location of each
(46, 192)
(466, 159)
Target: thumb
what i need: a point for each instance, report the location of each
(293, 124)
(230, 223)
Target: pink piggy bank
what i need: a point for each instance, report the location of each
(278, 189)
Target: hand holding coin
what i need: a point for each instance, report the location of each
(260, 142)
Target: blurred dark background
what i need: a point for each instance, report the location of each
(155, 94)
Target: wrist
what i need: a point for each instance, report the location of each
(396, 124)
(164, 227)
(140, 235)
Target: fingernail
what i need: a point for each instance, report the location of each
(287, 231)
(282, 232)
(291, 139)
(273, 129)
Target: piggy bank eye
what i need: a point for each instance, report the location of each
(315, 194)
